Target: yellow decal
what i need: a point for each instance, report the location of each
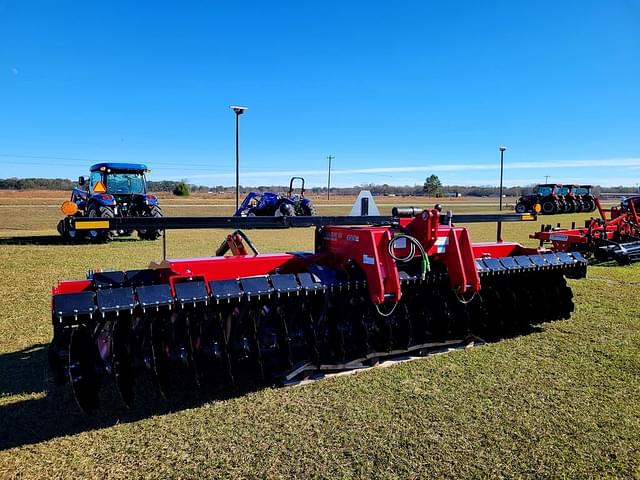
(92, 225)
(527, 216)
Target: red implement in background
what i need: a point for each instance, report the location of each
(616, 234)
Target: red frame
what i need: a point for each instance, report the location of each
(620, 222)
(337, 245)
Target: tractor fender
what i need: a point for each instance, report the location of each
(151, 200)
(101, 199)
(246, 203)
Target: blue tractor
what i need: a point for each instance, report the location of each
(261, 204)
(112, 190)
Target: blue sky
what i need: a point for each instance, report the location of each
(394, 90)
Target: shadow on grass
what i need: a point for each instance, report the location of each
(34, 240)
(36, 420)
(595, 262)
(56, 414)
(24, 371)
(54, 240)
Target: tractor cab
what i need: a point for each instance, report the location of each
(117, 179)
(545, 190)
(583, 190)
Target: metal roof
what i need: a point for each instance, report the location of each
(120, 166)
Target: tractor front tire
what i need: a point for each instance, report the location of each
(521, 207)
(151, 234)
(285, 210)
(100, 236)
(549, 208)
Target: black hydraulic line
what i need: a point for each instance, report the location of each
(174, 223)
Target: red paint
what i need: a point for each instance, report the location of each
(367, 247)
(71, 286)
(236, 266)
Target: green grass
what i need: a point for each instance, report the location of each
(562, 402)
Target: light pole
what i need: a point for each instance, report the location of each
(502, 149)
(546, 179)
(329, 177)
(238, 111)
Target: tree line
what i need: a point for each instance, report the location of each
(431, 187)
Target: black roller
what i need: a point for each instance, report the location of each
(268, 330)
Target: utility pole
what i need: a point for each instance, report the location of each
(546, 179)
(330, 157)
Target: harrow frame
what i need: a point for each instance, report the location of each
(373, 287)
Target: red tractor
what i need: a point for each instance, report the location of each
(586, 197)
(547, 198)
(572, 203)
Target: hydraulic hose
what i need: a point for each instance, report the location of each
(413, 244)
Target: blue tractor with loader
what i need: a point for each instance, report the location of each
(112, 190)
(269, 204)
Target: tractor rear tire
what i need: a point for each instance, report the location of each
(151, 234)
(521, 208)
(589, 206)
(308, 210)
(549, 208)
(100, 236)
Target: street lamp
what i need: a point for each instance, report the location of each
(502, 149)
(238, 111)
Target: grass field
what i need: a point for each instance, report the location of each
(562, 402)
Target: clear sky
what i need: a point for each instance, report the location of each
(394, 90)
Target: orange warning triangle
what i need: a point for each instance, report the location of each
(99, 188)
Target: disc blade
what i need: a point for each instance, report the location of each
(159, 356)
(121, 359)
(193, 343)
(83, 370)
